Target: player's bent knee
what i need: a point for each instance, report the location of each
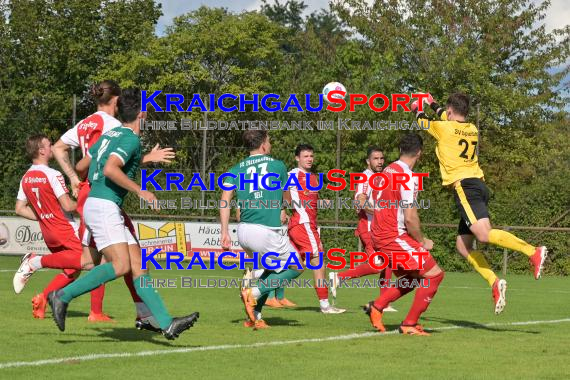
(435, 271)
(482, 236)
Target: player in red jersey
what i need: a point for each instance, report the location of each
(363, 194)
(303, 223)
(44, 197)
(396, 229)
(84, 135)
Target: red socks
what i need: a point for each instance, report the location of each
(97, 296)
(68, 259)
(362, 270)
(322, 292)
(130, 284)
(59, 281)
(422, 299)
(391, 294)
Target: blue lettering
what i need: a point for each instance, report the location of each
(196, 258)
(292, 178)
(174, 100)
(308, 261)
(150, 258)
(243, 259)
(276, 184)
(292, 99)
(174, 257)
(275, 263)
(254, 102)
(275, 106)
(254, 180)
(150, 101)
(293, 259)
(174, 179)
(196, 102)
(221, 102)
(308, 103)
(319, 186)
(221, 182)
(145, 179)
(221, 260)
(196, 181)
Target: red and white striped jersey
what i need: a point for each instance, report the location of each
(388, 221)
(299, 197)
(364, 218)
(86, 133)
(41, 187)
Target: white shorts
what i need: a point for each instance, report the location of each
(104, 221)
(262, 239)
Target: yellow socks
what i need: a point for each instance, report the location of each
(478, 261)
(507, 240)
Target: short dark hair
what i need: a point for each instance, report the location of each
(253, 138)
(302, 147)
(33, 145)
(104, 91)
(373, 149)
(129, 105)
(411, 144)
(459, 103)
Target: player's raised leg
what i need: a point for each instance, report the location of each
(486, 234)
(498, 286)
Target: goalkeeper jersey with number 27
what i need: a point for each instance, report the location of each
(456, 149)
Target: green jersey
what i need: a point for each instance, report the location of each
(123, 143)
(259, 206)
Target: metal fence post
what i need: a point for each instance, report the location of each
(204, 155)
(505, 259)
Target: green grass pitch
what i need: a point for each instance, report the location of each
(531, 339)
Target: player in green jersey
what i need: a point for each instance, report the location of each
(260, 229)
(114, 162)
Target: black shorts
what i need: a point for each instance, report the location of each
(472, 197)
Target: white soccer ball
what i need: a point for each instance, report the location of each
(334, 86)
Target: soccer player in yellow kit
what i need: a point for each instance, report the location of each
(456, 151)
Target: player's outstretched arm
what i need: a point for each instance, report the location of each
(24, 210)
(434, 127)
(61, 153)
(226, 241)
(158, 154)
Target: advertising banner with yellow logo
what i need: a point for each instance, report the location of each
(19, 236)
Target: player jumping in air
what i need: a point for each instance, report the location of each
(363, 194)
(397, 230)
(456, 150)
(83, 136)
(260, 228)
(113, 163)
(44, 197)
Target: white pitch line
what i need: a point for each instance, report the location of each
(254, 345)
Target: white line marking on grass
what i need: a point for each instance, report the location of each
(254, 345)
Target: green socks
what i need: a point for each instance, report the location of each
(279, 293)
(152, 300)
(93, 279)
(276, 280)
